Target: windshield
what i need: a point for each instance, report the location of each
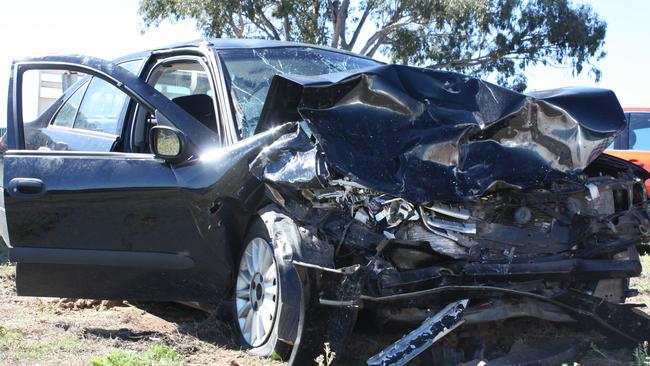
(250, 72)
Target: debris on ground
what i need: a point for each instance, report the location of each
(75, 304)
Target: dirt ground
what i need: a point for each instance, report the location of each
(37, 331)
(59, 332)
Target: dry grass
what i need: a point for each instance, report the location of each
(43, 331)
(642, 283)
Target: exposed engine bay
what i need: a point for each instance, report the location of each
(403, 261)
(410, 197)
(587, 218)
(573, 230)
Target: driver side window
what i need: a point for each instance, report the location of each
(187, 83)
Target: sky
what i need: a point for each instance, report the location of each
(108, 29)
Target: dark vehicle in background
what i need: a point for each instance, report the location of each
(304, 184)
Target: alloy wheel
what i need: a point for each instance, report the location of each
(257, 292)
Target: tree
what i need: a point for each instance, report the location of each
(478, 37)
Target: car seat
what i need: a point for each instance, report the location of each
(201, 107)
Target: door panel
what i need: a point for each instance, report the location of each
(90, 201)
(103, 225)
(100, 215)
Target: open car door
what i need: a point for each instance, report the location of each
(106, 225)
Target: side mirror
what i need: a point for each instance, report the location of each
(166, 142)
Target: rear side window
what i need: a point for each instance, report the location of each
(101, 108)
(133, 66)
(96, 105)
(59, 110)
(68, 113)
(639, 138)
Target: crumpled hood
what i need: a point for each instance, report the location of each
(428, 135)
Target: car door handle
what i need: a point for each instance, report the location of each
(26, 188)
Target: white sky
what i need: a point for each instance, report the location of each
(109, 29)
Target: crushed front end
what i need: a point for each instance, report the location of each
(425, 188)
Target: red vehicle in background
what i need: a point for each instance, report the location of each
(634, 143)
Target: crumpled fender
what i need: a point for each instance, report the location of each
(292, 243)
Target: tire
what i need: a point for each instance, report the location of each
(302, 325)
(257, 295)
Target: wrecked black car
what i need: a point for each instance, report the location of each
(299, 186)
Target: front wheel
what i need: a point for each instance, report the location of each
(277, 308)
(257, 296)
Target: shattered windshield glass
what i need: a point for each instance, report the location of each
(250, 72)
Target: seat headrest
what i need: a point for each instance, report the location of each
(201, 107)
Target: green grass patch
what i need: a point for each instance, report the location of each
(14, 345)
(642, 355)
(158, 355)
(274, 356)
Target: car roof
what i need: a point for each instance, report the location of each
(235, 43)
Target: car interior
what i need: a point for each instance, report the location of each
(185, 82)
(201, 107)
